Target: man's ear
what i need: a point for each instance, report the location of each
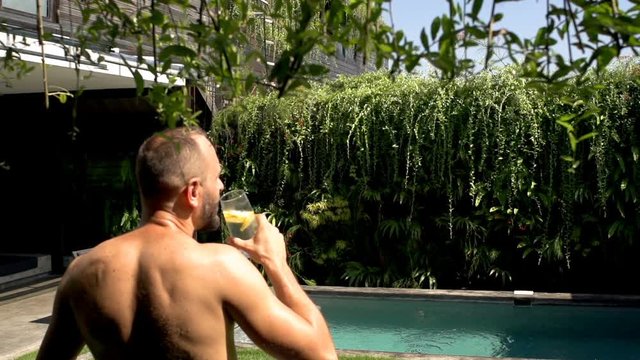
(194, 187)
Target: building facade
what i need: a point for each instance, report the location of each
(66, 170)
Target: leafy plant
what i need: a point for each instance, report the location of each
(419, 182)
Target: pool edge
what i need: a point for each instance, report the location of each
(515, 297)
(404, 356)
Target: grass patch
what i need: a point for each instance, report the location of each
(32, 355)
(243, 354)
(257, 354)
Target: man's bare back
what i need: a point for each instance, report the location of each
(157, 293)
(168, 313)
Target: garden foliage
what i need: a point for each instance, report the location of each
(481, 182)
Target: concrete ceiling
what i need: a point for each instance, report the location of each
(61, 78)
(113, 72)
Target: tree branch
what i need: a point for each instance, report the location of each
(42, 54)
(153, 41)
(216, 26)
(490, 35)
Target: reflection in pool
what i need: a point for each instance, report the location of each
(482, 328)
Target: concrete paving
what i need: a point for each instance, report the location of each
(24, 315)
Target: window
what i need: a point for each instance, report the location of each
(26, 6)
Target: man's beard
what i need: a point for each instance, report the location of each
(210, 217)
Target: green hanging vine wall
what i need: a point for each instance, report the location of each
(431, 183)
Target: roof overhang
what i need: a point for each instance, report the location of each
(114, 71)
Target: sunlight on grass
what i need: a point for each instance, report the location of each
(32, 355)
(243, 354)
(257, 354)
(29, 356)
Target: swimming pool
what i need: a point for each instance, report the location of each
(482, 328)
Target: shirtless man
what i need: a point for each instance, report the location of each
(156, 293)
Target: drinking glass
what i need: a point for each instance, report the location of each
(238, 214)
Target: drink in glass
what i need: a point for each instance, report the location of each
(238, 214)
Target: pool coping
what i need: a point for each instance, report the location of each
(517, 297)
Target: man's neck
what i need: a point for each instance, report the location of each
(169, 220)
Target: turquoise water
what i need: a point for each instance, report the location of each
(482, 328)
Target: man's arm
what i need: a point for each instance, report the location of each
(287, 325)
(62, 339)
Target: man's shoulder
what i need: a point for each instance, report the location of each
(106, 247)
(218, 251)
(112, 250)
(224, 257)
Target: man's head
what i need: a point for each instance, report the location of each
(178, 170)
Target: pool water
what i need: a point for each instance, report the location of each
(482, 328)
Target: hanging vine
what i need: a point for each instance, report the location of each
(438, 176)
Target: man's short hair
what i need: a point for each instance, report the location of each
(167, 161)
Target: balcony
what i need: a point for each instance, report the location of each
(19, 35)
